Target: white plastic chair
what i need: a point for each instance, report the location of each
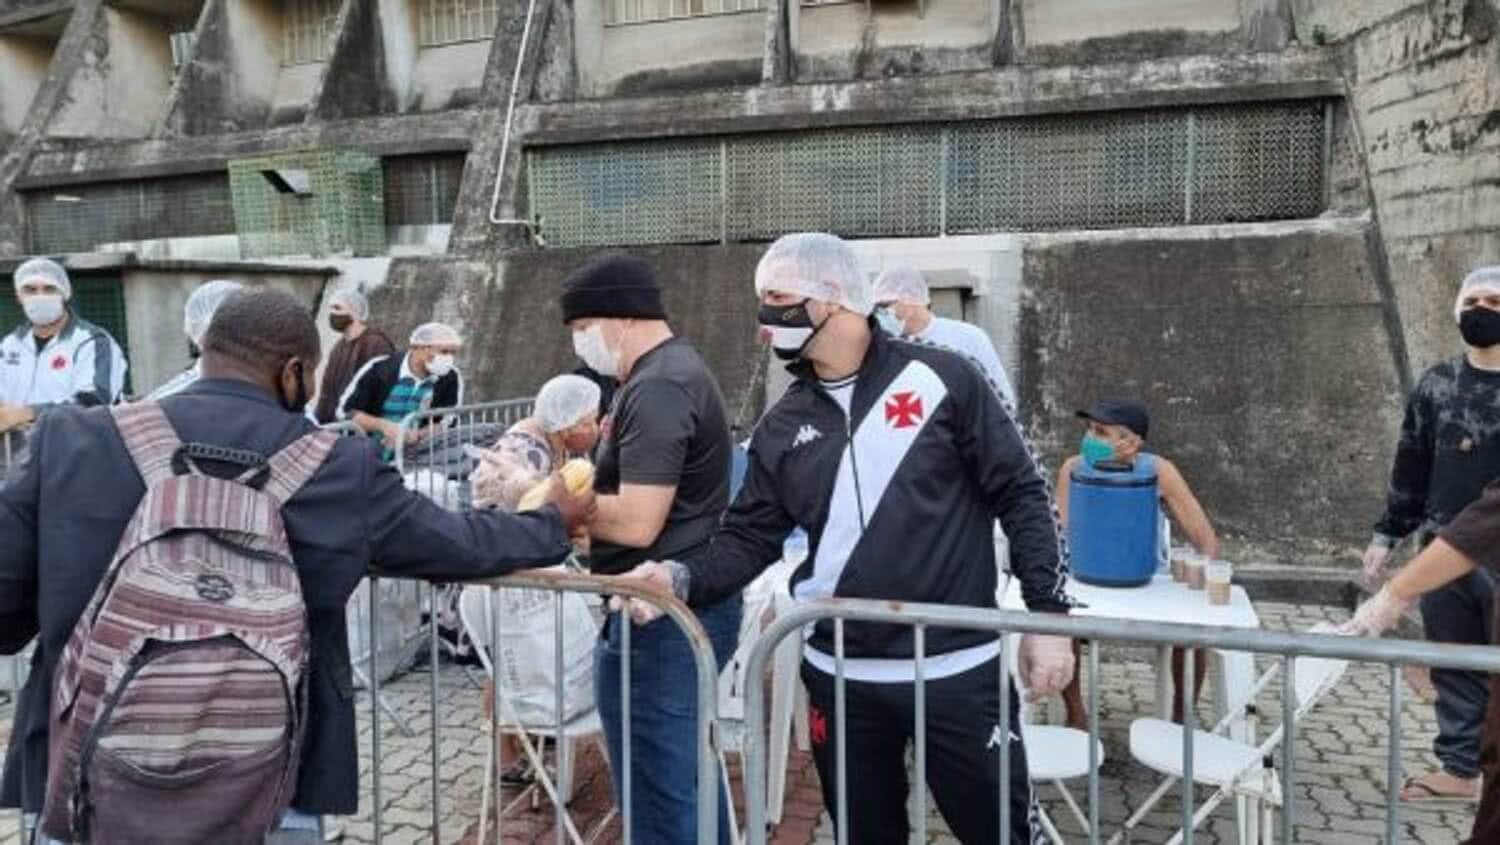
(475, 614)
(1237, 769)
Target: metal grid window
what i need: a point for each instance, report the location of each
(307, 30)
(422, 190)
(455, 21)
(1105, 170)
(624, 12)
(79, 218)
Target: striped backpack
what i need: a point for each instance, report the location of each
(178, 704)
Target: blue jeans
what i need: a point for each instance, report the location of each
(663, 721)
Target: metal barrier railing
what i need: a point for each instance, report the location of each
(559, 583)
(1289, 647)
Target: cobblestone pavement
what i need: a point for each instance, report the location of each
(1341, 766)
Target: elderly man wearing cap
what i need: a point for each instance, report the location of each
(196, 315)
(358, 344)
(390, 388)
(55, 357)
(1115, 435)
(896, 459)
(903, 305)
(1449, 449)
(662, 481)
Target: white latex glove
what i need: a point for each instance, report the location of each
(1046, 664)
(655, 574)
(1378, 615)
(1376, 555)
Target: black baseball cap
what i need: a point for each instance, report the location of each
(1127, 412)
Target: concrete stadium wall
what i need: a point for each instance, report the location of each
(1262, 351)
(515, 338)
(154, 295)
(1424, 83)
(122, 86)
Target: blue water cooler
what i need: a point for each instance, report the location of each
(1114, 523)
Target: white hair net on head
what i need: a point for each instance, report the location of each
(902, 284)
(351, 298)
(435, 334)
(47, 271)
(201, 305)
(818, 266)
(1485, 280)
(565, 400)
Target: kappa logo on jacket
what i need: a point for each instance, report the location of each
(806, 435)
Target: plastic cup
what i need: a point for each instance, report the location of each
(1195, 566)
(1218, 576)
(1180, 554)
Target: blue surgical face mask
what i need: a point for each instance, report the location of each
(1096, 450)
(889, 321)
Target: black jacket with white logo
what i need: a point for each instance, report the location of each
(906, 514)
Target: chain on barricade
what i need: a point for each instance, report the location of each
(1306, 666)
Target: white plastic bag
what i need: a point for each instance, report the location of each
(526, 664)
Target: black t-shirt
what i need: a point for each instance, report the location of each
(667, 426)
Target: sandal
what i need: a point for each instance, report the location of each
(1420, 791)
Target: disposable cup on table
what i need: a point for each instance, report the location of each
(1196, 575)
(1218, 577)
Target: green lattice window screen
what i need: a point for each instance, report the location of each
(1106, 170)
(78, 218)
(341, 213)
(98, 299)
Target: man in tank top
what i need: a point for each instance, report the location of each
(1116, 433)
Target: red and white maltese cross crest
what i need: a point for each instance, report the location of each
(903, 410)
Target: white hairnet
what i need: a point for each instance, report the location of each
(1483, 280)
(435, 334)
(818, 266)
(564, 400)
(351, 298)
(201, 305)
(44, 270)
(902, 284)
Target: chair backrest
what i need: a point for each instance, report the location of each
(1315, 676)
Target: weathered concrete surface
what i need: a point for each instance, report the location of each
(516, 340)
(23, 68)
(662, 56)
(845, 41)
(1004, 92)
(122, 86)
(231, 81)
(353, 84)
(1424, 80)
(1263, 352)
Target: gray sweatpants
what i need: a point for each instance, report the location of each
(1461, 612)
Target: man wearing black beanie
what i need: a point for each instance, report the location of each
(662, 480)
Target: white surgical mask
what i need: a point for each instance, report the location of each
(440, 365)
(591, 349)
(44, 309)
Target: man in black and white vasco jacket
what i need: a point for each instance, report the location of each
(896, 458)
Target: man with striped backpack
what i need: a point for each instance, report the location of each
(180, 692)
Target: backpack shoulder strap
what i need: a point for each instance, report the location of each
(149, 437)
(295, 465)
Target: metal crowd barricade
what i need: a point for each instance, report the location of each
(1289, 647)
(559, 583)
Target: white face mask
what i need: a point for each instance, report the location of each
(591, 349)
(43, 309)
(889, 321)
(440, 365)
